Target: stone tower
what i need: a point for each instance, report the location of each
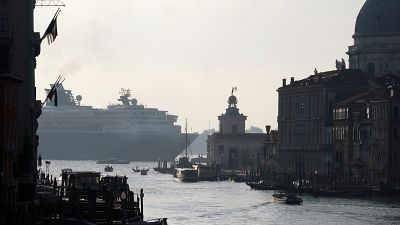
(376, 48)
(232, 122)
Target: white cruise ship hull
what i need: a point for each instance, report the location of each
(75, 145)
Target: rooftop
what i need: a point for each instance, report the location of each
(347, 77)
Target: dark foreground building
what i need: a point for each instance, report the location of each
(19, 46)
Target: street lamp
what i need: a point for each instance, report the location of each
(123, 199)
(315, 178)
(234, 160)
(123, 195)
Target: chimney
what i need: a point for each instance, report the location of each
(284, 82)
(268, 128)
(291, 80)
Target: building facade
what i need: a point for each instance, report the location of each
(328, 123)
(305, 120)
(376, 48)
(8, 141)
(269, 163)
(366, 136)
(19, 45)
(231, 148)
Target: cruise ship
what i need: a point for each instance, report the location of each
(128, 130)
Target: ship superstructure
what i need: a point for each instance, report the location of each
(128, 130)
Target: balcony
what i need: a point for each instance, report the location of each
(5, 39)
(36, 43)
(357, 48)
(5, 45)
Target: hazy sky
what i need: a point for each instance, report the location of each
(183, 56)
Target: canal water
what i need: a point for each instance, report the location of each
(235, 203)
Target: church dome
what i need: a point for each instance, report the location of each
(379, 17)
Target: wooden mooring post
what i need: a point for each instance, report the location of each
(141, 203)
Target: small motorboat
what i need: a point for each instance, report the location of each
(293, 199)
(108, 168)
(136, 170)
(187, 174)
(143, 171)
(279, 196)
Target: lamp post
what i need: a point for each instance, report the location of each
(47, 171)
(234, 160)
(40, 167)
(123, 201)
(141, 202)
(315, 178)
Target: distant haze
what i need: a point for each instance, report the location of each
(184, 56)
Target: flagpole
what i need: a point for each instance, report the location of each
(53, 89)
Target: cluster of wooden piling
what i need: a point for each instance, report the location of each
(108, 202)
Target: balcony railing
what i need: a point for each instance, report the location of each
(374, 47)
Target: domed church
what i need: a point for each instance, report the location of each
(344, 124)
(376, 48)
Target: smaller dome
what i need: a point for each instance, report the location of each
(232, 100)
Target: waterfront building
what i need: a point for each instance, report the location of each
(19, 45)
(232, 148)
(376, 46)
(305, 120)
(306, 107)
(269, 163)
(366, 136)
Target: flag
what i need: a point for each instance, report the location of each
(52, 34)
(52, 93)
(51, 31)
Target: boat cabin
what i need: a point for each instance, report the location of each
(187, 174)
(83, 179)
(116, 183)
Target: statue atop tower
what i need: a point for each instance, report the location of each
(232, 101)
(232, 121)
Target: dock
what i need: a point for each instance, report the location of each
(87, 198)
